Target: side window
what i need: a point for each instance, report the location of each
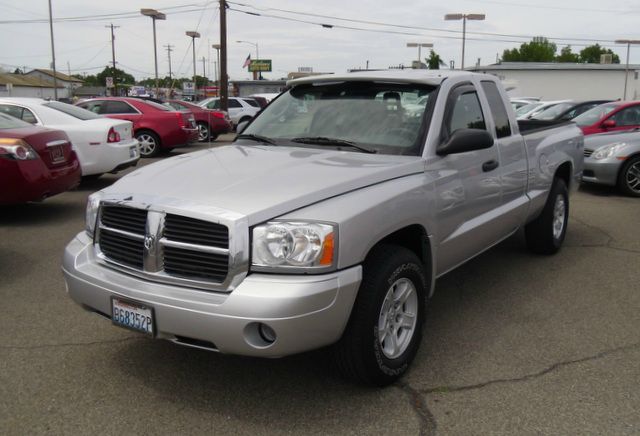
(234, 103)
(498, 110)
(627, 117)
(117, 107)
(467, 113)
(28, 116)
(14, 111)
(93, 106)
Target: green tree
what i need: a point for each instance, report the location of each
(18, 71)
(591, 54)
(434, 61)
(566, 55)
(538, 50)
(118, 74)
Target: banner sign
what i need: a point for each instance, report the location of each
(263, 65)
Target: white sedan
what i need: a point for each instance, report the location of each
(103, 145)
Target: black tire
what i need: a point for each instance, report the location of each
(204, 132)
(360, 355)
(629, 177)
(149, 143)
(544, 234)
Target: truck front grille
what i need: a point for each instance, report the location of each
(164, 247)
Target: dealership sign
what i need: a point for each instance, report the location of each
(262, 65)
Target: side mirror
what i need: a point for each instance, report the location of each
(241, 126)
(608, 124)
(464, 140)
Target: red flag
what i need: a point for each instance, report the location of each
(247, 62)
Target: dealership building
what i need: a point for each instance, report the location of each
(557, 81)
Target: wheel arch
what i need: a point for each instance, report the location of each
(631, 156)
(146, 129)
(564, 172)
(416, 239)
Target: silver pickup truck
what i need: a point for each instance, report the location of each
(327, 221)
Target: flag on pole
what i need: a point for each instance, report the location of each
(247, 62)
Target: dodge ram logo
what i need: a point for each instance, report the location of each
(149, 242)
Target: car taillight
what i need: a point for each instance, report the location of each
(218, 114)
(16, 149)
(113, 136)
(180, 119)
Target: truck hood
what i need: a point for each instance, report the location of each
(261, 182)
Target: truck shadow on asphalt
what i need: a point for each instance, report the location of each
(304, 387)
(36, 214)
(600, 190)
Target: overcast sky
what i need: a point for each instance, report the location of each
(84, 46)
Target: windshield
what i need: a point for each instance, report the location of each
(9, 122)
(553, 112)
(74, 111)
(527, 108)
(368, 114)
(594, 115)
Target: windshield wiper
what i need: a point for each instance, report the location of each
(258, 138)
(323, 140)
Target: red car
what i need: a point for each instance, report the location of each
(155, 126)
(35, 163)
(610, 117)
(211, 123)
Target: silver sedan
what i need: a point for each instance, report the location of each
(613, 159)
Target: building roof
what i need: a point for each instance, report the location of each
(542, 66)
(22, 80)
(59, 75)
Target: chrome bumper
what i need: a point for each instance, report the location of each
(305, 312)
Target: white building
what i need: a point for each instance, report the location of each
(69, 83)
(556, 81)
(19, 85)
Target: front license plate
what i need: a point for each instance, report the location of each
(132, 315)
(57, 154)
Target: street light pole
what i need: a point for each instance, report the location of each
(193, 35)
(255, 44)
(419, 45)
(626, 69)
(217, 48)
(53, 55)
(155, 15)
(224, 84)
(464, 18)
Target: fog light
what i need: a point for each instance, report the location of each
(266, 333)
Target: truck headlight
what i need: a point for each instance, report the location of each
(294, 246)
(608, 150)
(91, 213)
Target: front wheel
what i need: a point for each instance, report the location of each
(629, 179)
(546, 233)
(385, 327)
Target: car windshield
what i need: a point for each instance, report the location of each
(9, 122)
(367, 114)
(594, 115)
(74, 111)
(527, 108)
(553, 112)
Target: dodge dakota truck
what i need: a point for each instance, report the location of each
(328, 220)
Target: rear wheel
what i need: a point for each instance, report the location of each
(149, 143)
(629, 178)
(385, 327)
(546, 233)
(203, 132)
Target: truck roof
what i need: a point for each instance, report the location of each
(427, 77)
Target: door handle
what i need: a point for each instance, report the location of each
(490, 165)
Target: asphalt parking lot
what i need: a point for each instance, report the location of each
(514, 344)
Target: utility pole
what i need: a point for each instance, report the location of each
(224, 84)
(204, 70)
(113, 58)
(53, 54)
(169, 48)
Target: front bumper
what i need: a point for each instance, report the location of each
(305, 312)
(602, 171)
